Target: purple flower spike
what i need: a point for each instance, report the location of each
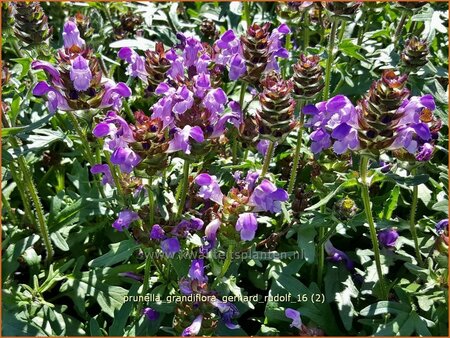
(103, 169)
(388, 237)
(247, 226)
(267, 197)
(295, 316)
(150, 313)
(209, 188)
(114, 94)
(170, 246)
(336, 255)
(126, 217)
(80, 74)
(157, 233)
(49, 69)
(71, 35)
(197, 271)
(180, 140)
(194, 328)
(126, 159)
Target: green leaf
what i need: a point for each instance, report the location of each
(94, 328)
(14, 251)
(119, 252)
(441, 206)
(391, 203)
(16, 324)
(408, 181)
(305, 241)
(59, 241)
(25, 129)
(348, 48)
(327, 198)
(121, 317)
(384, 307)
(25, 63)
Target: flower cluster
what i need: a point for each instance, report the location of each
(241, 205)
(77, 83)
(191, 104)
(253, 53)
(408, 126)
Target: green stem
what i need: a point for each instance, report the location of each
(321, 253)
(399, 29)
(145, 283)
(9, 210)
(342, 31)
(326, 89)
(247, 14)
(17, 177)
(306, 32)
(184, 188)
(116, 178)
(297, 151)
(226, 265)
(373, 232)
(267, 159)
(28, 179)
(151, 203)
(412, 221)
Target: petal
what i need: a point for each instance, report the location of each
(284, 29)
(336, 103)
(204, 179)
(197, 134)
(42, 88)
(341, 131)
(422, 131)
(428, 101)
(48, 68)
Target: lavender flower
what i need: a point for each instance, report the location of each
(295, 316)
(227, 311)
(103, 169)
(180, 140)
(170, 246)
(425, 152)
(125, 218)
(247, 226)
(267, 197)
(194, 328)
(131, 275)
(209, 188)
(388, 237)
(126, 159)
(442, 226)
(210, 236)
(80, 73)
(71, 36)
(197, 271)
(336, 255)
(136, 67)
(55, 100)
(157, 233)
(150, 313)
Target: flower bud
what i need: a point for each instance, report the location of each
(30, 23)
(415, 53)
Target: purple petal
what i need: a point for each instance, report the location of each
(336, 103)
(295, 316)
(341, 131)
(428, 101)
(423, 131)
(197, 134)
(48, 68)
(284, 29)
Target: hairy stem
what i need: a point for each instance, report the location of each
(373, 232)
(184, 188)
(412, 221)
(331, 39)
(297, 150)
(400, 26)
(267, 159)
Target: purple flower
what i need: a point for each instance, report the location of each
(336, 255)
(227, 311)
(347, 138)
(262, 147)
(320, 140)
(408, 137)
(388, 237)
(211, 234)
(442, 226)
(209, 188)
(267, 197)
(116, 128)
(250, 180)
(237, 67)
(202, 85)
(194, 328)
(275, 46)
(49, 69)
(170, 246)
(114, 94)
(247, 226)
(295, 316)
(425, 152)
(180, 140)
(55, 100)
(80, 73)
(191, 50)
(126, 159)
(214, 101)
(197, 271)
(150, 313)
(71, 35)
(157, 233)
(125, 218)
(103, 169)
(131, 275)
(136, 67)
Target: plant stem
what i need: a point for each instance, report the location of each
(373, 232)
(184, 188)
(320, 253)
(151, 203)
(412, 221)
(247, 14)
(331, 39)
(267, 159)
(22, 191)
(306, 32)
(148, 264)
(399, 29)
(226, 265)
(116, 178)
(28, 179)
(342, 31)
(9, 210)
(297, 150)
